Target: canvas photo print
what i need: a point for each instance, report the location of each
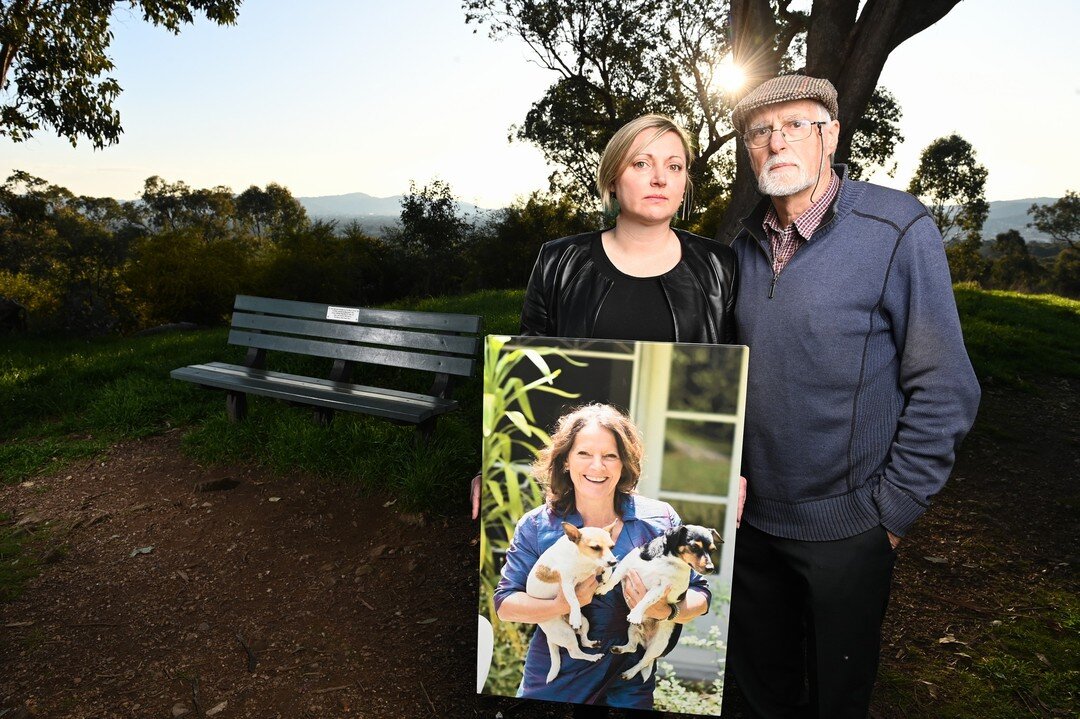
(610, 482)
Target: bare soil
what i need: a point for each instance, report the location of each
(171, 589)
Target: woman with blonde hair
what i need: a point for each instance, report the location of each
(640, 279)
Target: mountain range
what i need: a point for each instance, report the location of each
(376, 214)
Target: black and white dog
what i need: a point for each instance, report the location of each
(664, 562)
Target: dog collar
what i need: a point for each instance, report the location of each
(674, 613)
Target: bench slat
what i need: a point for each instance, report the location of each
(374, 355)
(447, 322)
(391, 404)
(358, 333)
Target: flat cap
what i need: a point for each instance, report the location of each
(785, 89)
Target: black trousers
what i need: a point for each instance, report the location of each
(805, 627)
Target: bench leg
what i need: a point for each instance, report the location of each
(236, 406)
(424, 430)
(322, 416)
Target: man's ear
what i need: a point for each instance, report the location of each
(831, 137)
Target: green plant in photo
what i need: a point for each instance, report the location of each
(511, 491)
(676, 695)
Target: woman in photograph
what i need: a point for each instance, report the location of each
(589, 473)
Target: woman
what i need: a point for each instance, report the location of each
(589, 474)
(640, 279)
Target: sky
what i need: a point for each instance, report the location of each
(339, 96)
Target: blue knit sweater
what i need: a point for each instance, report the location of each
(860, 387)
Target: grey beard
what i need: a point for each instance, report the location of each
(777, 187)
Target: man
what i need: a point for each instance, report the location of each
(859, 391)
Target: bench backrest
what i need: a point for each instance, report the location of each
(435, 341)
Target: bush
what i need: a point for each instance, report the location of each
(39, 296)
(178, 276)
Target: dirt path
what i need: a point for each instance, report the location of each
(174, 590)
(280, 597)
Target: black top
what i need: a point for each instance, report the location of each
(567, 290)
(635, 308)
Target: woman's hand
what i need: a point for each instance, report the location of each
(585, 592)
(738, 514)
(634, 591)
(474, 495)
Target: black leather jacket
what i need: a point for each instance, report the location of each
(566, 290)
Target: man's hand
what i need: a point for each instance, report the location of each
(474, 494)
(893, 539)
(742, 501)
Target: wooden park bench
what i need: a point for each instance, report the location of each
(443, 343)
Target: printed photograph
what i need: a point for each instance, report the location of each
(610, 477)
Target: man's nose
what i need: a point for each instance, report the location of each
(777, 142)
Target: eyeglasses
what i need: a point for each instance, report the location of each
(792, 130)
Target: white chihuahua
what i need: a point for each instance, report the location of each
(576, 556)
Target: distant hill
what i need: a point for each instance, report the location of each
(373, 213)
(1008, 215)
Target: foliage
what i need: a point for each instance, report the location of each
(876, 135)
(615, 60)
(175, 206)
(315, 264)
(508, 420)
(951, 182)
(673, 695)
(966, 261)
(506, 245)
(178, 277)
(54, 62)
(270, 211)
(63, 254)
(1065, 273)
(1013, 267)
(433, 236)
(1060, 220)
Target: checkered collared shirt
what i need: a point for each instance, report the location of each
(785, 240)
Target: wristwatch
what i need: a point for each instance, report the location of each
(674, 613)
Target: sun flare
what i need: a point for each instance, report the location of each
(730, 76)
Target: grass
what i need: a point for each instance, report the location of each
(1020, 665)
(61, 400)
(1014, 338)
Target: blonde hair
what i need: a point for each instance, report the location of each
(619, 150)
(550, 465)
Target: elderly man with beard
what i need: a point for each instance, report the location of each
(860, 390)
